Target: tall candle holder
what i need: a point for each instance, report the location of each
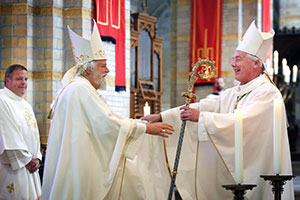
(287, 87)
(284, 80)
(239, 190)
(277, 181)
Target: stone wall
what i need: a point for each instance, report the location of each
(289, 14)
(179, 55)
(34, 33)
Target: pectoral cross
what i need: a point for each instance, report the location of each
(238, 99)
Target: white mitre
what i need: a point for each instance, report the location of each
(255, 42)
(85, 50)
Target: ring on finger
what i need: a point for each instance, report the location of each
(163, 131)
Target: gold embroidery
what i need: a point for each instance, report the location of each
(81, 58)
(100, 53)
(10, 188)
(30, 120)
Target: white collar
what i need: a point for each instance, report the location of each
(12, 95)
(251, 85)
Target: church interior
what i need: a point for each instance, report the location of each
(163, 39)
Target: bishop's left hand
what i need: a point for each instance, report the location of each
(189, 114)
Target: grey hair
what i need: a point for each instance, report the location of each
(254, 58)
(89, 65)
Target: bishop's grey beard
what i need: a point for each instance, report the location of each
(100, 80)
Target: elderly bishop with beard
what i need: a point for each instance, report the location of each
(88, 144)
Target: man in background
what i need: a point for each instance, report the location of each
(218, 86)
(19, 139)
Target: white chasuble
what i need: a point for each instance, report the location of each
(213, 160)
(92, 152)
(19, 144)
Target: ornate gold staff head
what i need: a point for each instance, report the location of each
(206, 72)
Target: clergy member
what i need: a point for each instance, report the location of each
(19, 139)
(92, 152)
(219, 85)
(208, 146)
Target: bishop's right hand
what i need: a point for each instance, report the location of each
(160, 129)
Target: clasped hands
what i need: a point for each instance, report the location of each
(33, 165)
(156, 127)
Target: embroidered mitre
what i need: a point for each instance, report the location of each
(255, 42)
(85, 50)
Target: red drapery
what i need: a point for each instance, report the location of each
(266, 21)
(266, 15)
(110, 17)
(206, 33)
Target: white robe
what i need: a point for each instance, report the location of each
(19, 143)
(92, 152)
(200, 157)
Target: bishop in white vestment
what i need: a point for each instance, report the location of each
(94, 153)
(207, 159)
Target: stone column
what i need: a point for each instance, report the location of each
(17, 39)
(180, 45)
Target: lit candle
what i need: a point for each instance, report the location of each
(146, 109)
(277, 133)
(269, 67)
(284, 64)
(295, 73)
(271, 71)
(238, 146)
(287, 74)
(275, 59)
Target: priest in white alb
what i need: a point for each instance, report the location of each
(207, 160)
(19, 140)
(92, 151)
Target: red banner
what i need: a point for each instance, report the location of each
(110, 17)
(206, 33)
(266, 21)
(266, 16)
